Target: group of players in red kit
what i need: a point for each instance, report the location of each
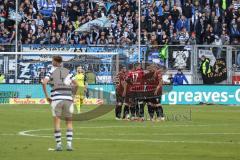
(136, 88)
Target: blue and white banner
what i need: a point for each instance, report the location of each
(31, 66)
(101, 60)
(53, 48)
(102, 22)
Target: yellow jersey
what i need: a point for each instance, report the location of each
(2, 78)
(80, 79)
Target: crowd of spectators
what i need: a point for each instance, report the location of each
(190, 22)
(162, 22)
(55, 22)
(7, 25)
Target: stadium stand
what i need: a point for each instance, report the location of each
(56, 22)
(7, 28)
(190, 22)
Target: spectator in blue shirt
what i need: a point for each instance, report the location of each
(182, 23)
(179, 78)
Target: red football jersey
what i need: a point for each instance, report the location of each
(136, 76)
(145, 84)
(136, 81)
(158, 78)
(121, 78)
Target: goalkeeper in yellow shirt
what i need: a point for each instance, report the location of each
(82, 87)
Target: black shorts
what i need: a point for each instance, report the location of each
(154, 101)
(119, 99)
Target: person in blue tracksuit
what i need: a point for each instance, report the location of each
(179, 78)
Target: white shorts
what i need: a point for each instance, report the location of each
(62, 108)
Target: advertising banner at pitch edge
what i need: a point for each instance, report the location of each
(196, 94)
(185, 94)
(192, 94)
(90, 101)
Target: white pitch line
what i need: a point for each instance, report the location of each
(142, 140)
(26, 133)
(149, 134)
(160, 126)
(158, 141)
(103, 127)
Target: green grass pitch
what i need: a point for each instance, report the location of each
(212, 134)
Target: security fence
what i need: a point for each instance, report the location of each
(7, 47)
(223, 61)
(32, 62)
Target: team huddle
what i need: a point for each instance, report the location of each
(135, 89)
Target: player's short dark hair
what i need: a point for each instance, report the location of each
(57, 59)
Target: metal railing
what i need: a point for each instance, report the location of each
(230, 53)
(7, 47)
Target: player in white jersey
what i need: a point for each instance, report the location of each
(61, 100)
